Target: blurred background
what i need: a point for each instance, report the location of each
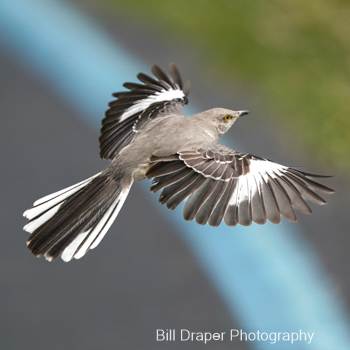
(287, 62)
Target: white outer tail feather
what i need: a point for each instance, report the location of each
(50, 200)
(97, 234)
(45, 208)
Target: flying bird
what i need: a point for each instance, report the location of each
(145, 134)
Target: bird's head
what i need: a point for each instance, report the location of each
(223, 118)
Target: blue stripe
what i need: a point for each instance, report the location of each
(269, 276)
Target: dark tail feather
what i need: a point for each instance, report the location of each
(74, 220)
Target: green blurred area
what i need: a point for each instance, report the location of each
(297, 52)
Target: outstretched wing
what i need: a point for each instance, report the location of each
(132, 109)
(240, 188)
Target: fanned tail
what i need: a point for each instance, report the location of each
(74, 220)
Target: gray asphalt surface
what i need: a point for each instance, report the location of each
(141, 277)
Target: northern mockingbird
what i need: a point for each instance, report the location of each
(146, 135)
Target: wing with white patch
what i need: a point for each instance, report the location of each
(133, 109)
(220, 183)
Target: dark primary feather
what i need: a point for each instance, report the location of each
(161, 75)
(150, 88)
(175, 74)
(147, 80)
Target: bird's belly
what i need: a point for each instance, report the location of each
(140, 172)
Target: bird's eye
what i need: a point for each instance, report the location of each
(227, 117)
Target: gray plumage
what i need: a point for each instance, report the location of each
(146, 135)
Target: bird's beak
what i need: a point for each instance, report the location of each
(241, 113)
